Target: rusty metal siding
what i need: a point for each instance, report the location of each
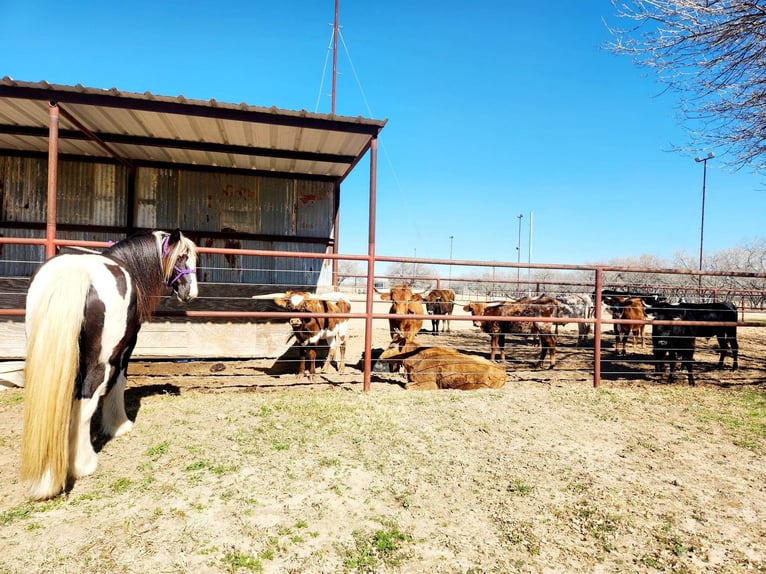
(314, 208)
(91, 194)
(276, 272)
(277, 206)
(95, 194)
(23, 189)
(156, 198)
(88, 193)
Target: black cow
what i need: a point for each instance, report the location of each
(440, 302)
(678, 341)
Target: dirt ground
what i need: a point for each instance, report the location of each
(238, 466)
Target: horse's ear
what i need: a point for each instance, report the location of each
(175, 237)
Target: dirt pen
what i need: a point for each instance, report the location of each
(236, 465)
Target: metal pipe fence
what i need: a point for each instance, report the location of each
(483, 281)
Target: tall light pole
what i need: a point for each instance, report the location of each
(518, 253)
(449, 280)
(529, 254)
(704, 161)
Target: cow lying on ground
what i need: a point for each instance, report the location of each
(678, 341)
(404, 301)
(440, 302)
(431, 368)
(630, 309)
(525, 307)
(309, 331)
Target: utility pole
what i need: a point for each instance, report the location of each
(704, 161)
(518, 253)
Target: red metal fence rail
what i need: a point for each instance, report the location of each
(508, 285)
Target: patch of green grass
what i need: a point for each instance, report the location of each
(372, 550)
(158, 450)
(121, 485)
(234, 560)
(11, 399)
(196, 465)
(518, 486)
(17, 513)
(27, 509)
(650, 561)
(744, 415)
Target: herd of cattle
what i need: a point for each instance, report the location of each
(675, 328)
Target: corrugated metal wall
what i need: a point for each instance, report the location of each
(96, 194)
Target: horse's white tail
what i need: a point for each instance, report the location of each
(54, 321)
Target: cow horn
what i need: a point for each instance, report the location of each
(381, 291)
(332, 296)
(269, 296)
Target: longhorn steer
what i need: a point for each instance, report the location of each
(526, 307)
(627, 308)
(440, 302)
(430, 368)
(404, 301)
(309, 331)
(577, 306)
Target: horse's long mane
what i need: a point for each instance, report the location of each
(140, 255)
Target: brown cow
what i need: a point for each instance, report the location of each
(308, 331)
(627, 308)
(440, 302)
(404, 301)
(431, 368)
(525, 307)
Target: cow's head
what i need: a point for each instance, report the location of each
(293, 300)
(400, 296)
(476, 309)
(397, 350)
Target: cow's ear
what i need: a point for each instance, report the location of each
(385, 296)
(417, 297)
(279, 302)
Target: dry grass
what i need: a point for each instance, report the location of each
(528, 478)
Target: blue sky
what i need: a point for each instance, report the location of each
(494, 109)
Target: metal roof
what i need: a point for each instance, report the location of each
(147, 129)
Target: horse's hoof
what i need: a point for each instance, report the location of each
(122, 429)
(85, 466)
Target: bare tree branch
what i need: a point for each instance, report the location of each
(713, 54)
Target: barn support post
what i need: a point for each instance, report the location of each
(336, 237)
(370, 266)
(597, 329)
(53, 166)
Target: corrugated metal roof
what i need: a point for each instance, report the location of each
(155, 130)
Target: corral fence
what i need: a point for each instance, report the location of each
(472, 281)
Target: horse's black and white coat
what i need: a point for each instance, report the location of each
(83, 315)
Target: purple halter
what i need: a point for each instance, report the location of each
(179, 272)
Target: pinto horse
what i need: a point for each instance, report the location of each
(83, 314)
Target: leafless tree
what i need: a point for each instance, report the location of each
(415, 274)
(352, 274)
(713, 54)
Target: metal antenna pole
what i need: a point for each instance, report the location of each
(334, 55)
(518, 253)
